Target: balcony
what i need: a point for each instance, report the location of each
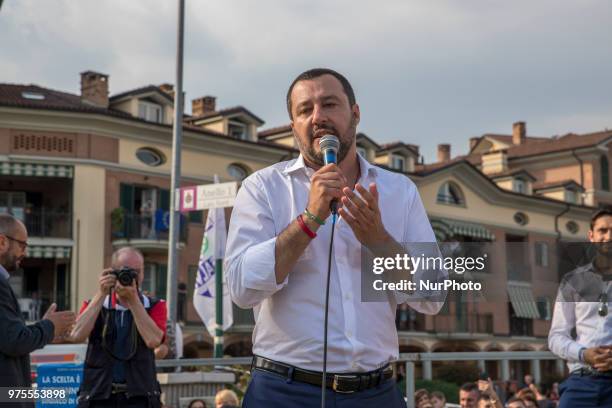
(521, 327)
(44, 223)
(244, 320)
(146, 232)
(454, 325)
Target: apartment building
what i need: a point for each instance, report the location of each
(89, 173)
(521, 197)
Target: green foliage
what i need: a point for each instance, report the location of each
(457, 373)
(117, 220)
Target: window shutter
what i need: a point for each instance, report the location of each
(161, 281)
(126, 197)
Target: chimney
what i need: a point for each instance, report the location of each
(444, 152)
(167, 88)
(203, 105)
(473, 141)
(94, 88)
(494, 162)
(519, 133)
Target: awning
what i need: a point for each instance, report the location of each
(35, 170)
(445, 228)
(57, 252)
(523, 302)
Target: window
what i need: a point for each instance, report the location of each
(544, 308)
(35, 96)
(605, 173)
(541, 254)
(154, 282)
(150, 112)
(362, 151)
(398, 162)
(237, 171)
(13, 202)
(150, 157)
(521, 218)
(519, 185)
(571, 196)
(450, 193)
(572, 227)
(237, 130)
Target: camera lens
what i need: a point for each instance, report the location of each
(125, 279)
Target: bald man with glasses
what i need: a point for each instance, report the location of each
(582, 305)
(18, 340)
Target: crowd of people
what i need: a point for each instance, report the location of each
(485, 393)
(223, 399)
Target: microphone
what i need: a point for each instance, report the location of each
(330, 145)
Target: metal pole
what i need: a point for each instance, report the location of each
(177, 136)
(218, 352)
(410, 384)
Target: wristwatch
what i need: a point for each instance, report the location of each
(581, 354)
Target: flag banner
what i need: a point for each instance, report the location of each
(213, 249)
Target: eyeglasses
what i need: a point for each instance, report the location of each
(603, 305)
(22, 244)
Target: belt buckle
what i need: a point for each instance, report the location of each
(336, 384)
(118, 388)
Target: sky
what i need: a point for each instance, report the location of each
(424, 71)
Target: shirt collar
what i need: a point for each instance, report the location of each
(111, 303)
(4, 273)
(366, 168)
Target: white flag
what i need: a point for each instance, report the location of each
(204, 294)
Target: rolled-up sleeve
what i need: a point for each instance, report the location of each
(250, 250)
(560, 339)
(418, 230)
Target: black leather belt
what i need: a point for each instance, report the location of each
(588, 371)
(117, 388)
(345, 383)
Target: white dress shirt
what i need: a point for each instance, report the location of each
(289, 316)
(577, 307)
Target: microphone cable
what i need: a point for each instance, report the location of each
(329, 259)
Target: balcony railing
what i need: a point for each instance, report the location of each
(145, 227)
(44, 223)
(469, 323)
(243, 318)
(521, 327)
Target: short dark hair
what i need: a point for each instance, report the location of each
(469, 387)
(315, 73)
(197, 400)
(438, 394)
(515, 399)
(604, 212)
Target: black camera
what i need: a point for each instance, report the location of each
(125, 275)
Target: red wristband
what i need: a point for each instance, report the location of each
(305, 228)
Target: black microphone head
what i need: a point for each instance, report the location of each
(329, 145)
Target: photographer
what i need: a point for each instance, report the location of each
(124, 327)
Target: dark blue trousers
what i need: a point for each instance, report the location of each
(585, 392)
(267, 390)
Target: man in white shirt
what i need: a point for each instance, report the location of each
(277, 259)
(582, 304)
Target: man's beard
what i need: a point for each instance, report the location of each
(316, 157)
(9, 262)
